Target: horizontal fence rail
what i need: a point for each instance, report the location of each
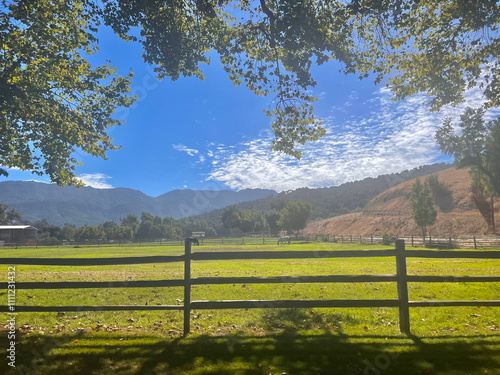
(91, 261)
(52, 242)
(262, 255)
(96, 308)
(401, 278)
(444, 242)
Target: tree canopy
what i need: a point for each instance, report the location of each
(478, 145)
(294, 215)
(52, 101)
(422, 208)
(441, 48)
(246, 221)
(8, 216)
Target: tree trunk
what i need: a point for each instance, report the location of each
(485, 208)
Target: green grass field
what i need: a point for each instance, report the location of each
(446, 340)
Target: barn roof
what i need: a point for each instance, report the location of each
(11, 227)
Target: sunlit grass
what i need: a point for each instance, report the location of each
(126, 337)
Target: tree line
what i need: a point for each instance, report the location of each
(289, 216)
(130, 227)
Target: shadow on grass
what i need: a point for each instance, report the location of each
(105, 353)
(293, 320)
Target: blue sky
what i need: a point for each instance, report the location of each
(210, 135)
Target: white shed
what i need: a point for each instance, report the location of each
(17, 233)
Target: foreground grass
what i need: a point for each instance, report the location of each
(100, 353)
(254, 341)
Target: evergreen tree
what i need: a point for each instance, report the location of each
(422, 207)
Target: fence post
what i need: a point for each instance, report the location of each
(187, 286)
(404, 311)
(351, 238)
(371, 239)
(411, 241)
(475, 243)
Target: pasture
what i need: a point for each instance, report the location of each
(445, 340)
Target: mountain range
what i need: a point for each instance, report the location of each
(87, 205)
(330, 201)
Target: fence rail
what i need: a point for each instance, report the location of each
(253, 240)
(474, 242)
(401, 278)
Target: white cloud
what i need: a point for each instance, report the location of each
(190, 152)
(96, 180)
(183, 148)
(392, 137)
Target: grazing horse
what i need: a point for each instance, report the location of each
(283, 240)
(194, 241)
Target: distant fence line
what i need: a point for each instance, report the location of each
(263, 240)
(398, 253)
(449, 242)
(474, 242)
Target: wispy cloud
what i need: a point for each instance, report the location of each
(391, 137)
(184, 148)
(190, 152)
(96, 180)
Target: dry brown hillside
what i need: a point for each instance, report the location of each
(390, 212)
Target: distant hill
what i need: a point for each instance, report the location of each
(389, 212)
(87, 205)
(332, 201)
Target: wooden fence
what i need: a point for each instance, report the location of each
(254, 240)
(474, 242)
(401, 278)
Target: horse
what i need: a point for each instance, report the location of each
(283, 240)
(194, 241)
